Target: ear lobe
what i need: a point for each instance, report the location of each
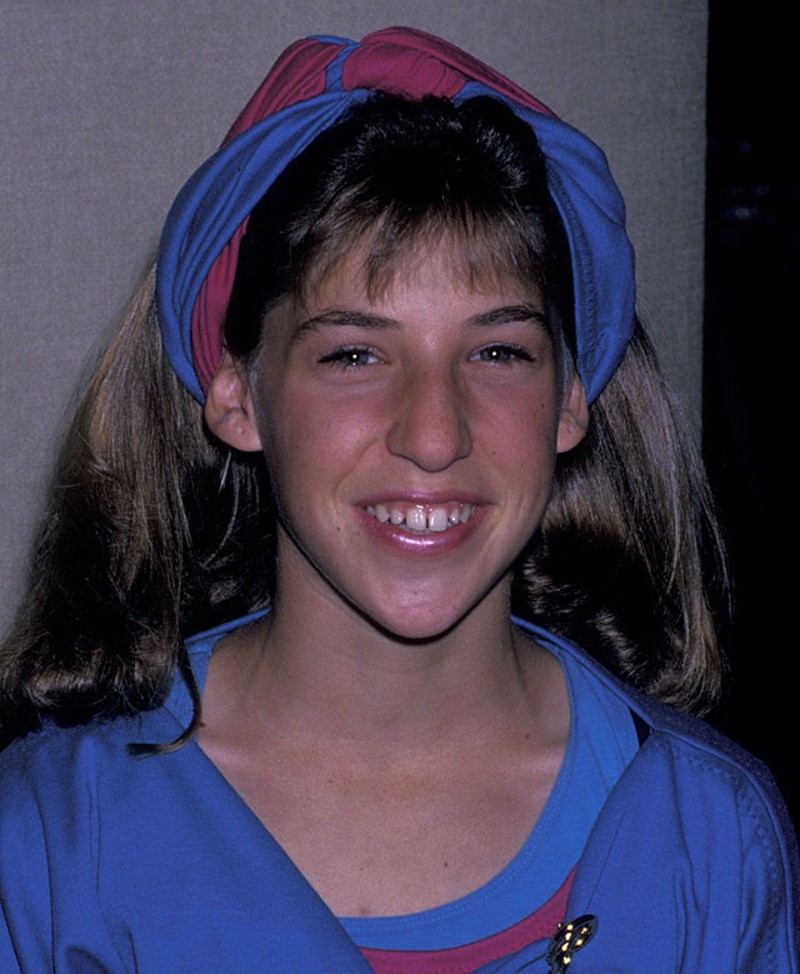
(574, 419)
(229, 411)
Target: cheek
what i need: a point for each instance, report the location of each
(522, 428)
(305, 446)
(279, 442)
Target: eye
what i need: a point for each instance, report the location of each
(350, 357)
(503, 354)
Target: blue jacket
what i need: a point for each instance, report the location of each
(155, 866)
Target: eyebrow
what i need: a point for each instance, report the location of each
(514, 312)
(342, 319)
(336, 318)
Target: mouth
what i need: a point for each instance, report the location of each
(421, 518)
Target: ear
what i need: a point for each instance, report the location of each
(229, 408)
(574, 419)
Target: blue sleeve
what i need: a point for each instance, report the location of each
(770, 885)
(692, 867)
(25, 915)
(50, 915)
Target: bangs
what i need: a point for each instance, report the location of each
(482, 250)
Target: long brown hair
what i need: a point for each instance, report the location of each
(630, 561)
(152, 531)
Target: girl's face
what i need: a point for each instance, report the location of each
(411, 439)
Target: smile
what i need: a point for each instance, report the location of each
(419, 519)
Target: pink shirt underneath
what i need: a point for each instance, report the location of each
(461, 960)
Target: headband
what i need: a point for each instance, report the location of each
(312, 85)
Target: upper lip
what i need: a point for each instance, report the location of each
(424, 498)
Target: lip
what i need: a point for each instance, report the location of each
(434, 542)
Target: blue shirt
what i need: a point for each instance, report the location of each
(155, 865)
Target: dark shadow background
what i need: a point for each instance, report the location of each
(750, 370)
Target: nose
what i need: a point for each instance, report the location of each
(430, 424)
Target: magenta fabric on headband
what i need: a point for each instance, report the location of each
(297, 75)
(397, 59)
(417, 64)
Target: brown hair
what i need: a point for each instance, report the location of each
(629, 561)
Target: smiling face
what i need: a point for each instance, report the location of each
(411, 437)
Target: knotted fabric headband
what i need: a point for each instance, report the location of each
(311, 85)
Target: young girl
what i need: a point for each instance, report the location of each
(266, 705)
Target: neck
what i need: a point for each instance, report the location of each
(316, 666)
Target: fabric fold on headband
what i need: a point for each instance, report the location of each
(314, 83)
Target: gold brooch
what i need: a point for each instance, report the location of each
(570, 937)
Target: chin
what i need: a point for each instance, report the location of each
(416, 625)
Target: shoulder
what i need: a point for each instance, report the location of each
(679, 737)
(695, 827)
(77, 759)
(690, 772)
(64, 768)
(73, 787)
(77, 809)
(67, 797)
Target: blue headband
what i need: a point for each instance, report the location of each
(312, 85)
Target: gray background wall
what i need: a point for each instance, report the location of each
(107, 106)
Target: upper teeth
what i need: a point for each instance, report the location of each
(418, 518)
